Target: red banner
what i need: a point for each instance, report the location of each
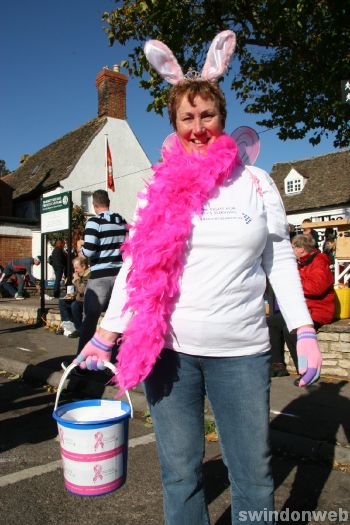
(110, 181)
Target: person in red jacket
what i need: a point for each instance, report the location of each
(318, 285)
(316, 279)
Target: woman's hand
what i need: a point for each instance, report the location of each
(97, 350)
(309, 355)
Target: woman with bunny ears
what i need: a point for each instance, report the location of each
(189, 299)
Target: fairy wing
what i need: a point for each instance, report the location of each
(248, 143)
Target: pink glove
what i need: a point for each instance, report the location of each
(94, 353)
(309, 356)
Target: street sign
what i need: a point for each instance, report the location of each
(55, 212)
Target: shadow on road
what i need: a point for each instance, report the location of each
(321, 414)
(29, 410)
(26, 406)
(307, 476)
(21, 328)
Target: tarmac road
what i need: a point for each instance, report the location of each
(33, 493)
(31, 480)
(309, 422)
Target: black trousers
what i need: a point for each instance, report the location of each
(280, 335)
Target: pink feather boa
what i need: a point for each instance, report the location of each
(181, 186)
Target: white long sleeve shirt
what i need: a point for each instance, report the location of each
(240, 239)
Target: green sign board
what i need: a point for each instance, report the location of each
(55, 202)
(55, 212)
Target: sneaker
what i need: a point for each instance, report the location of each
(19, 297)
(74, 334)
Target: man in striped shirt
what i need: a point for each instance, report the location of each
(103, 237)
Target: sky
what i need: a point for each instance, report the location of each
(50, 54)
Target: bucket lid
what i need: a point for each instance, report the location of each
(92, 412)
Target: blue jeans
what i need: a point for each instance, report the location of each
(71, 311)
(57, 284)
(9, 288)
(19, 276)
(238, 391)
(96, 298)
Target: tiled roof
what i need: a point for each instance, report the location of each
(43, 170)
(328, 181)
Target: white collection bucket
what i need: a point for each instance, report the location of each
(94, 442)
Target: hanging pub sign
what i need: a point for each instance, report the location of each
(55, 211)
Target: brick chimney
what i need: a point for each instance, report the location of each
(111, 89)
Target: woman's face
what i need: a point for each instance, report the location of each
(198, 126)
(298, 252)
(78, 268)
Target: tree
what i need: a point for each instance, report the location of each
(291, 55)
(3, 169)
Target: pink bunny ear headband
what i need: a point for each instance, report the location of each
(218, 58)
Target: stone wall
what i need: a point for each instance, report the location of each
(53, 319)
(334, 341)
(19, 314)
(24, 314)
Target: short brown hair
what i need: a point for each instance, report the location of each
(192, 89)
(100, 198)
(304, 241)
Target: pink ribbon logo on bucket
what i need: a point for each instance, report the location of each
(98, 473)
(99, 440)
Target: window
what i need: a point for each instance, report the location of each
(86, 202)
(294, 182)
(290, 186)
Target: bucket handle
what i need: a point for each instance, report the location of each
(68, 370)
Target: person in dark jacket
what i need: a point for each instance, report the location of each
(329, 247)
(317, 282)
(58, 259)
(20, 268)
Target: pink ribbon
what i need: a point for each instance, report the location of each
(98, 473)
(99, 440)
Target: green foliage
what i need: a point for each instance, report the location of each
(78, 221)
(289, 61)
(3, 169)
(56, 236)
